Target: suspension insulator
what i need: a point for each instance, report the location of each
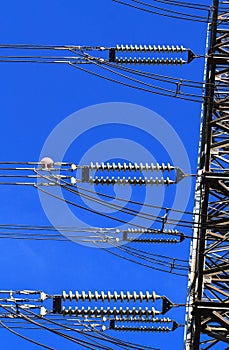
(131, 167)
(108, 297)
(152, 231)
(147, 313)
(150, 48)
(130, 181)
(154, 240)
(144, 320)
(158, 61)
(141, 329)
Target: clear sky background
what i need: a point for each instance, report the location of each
(35, 98)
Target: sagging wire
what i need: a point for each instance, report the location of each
(109, 241)
(183, 223)
(165, 12)
(24, 337)
(113, 68)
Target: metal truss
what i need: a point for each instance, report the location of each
(208, 309)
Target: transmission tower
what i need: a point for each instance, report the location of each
(208, 320)
(207, 310)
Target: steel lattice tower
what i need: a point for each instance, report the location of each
(208, 320)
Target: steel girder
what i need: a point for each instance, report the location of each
(208, 310)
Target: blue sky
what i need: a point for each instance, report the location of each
(35, 98)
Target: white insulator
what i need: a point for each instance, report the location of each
(103, 296)
(141, 167)
(136, 47)
(73, 180)
(147, 296)
(119, 181)
(97, 166)
(109, 296)
(122, 48)
(163, 167)
(158, 167)
(70, 295)
(83, 295)
(115, 296)
(122, 296)
(125, 166)
(91, 166)
(70, 311)
(113, 180)
(135, 296)
(130, 166)
(96, 295)
(77, 296)
(119, 167)
(131, 48)
(73, 166)
(64, 296)
(109, 166)
(90, 296)
(145, 48)
(115, 311)
(141, 296)
(152, 167)
(146, 166)
(102, 166)
(43, 311)
(114, 167)
(128, 295)
(64, 312)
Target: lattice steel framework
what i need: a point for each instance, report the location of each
(208, 311)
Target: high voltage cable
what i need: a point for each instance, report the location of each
(148, 88)
(114, 69)
(184, 223)
(196, 6)
(166, 92)
(84, 343)
(165, 12)
(101, 336)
